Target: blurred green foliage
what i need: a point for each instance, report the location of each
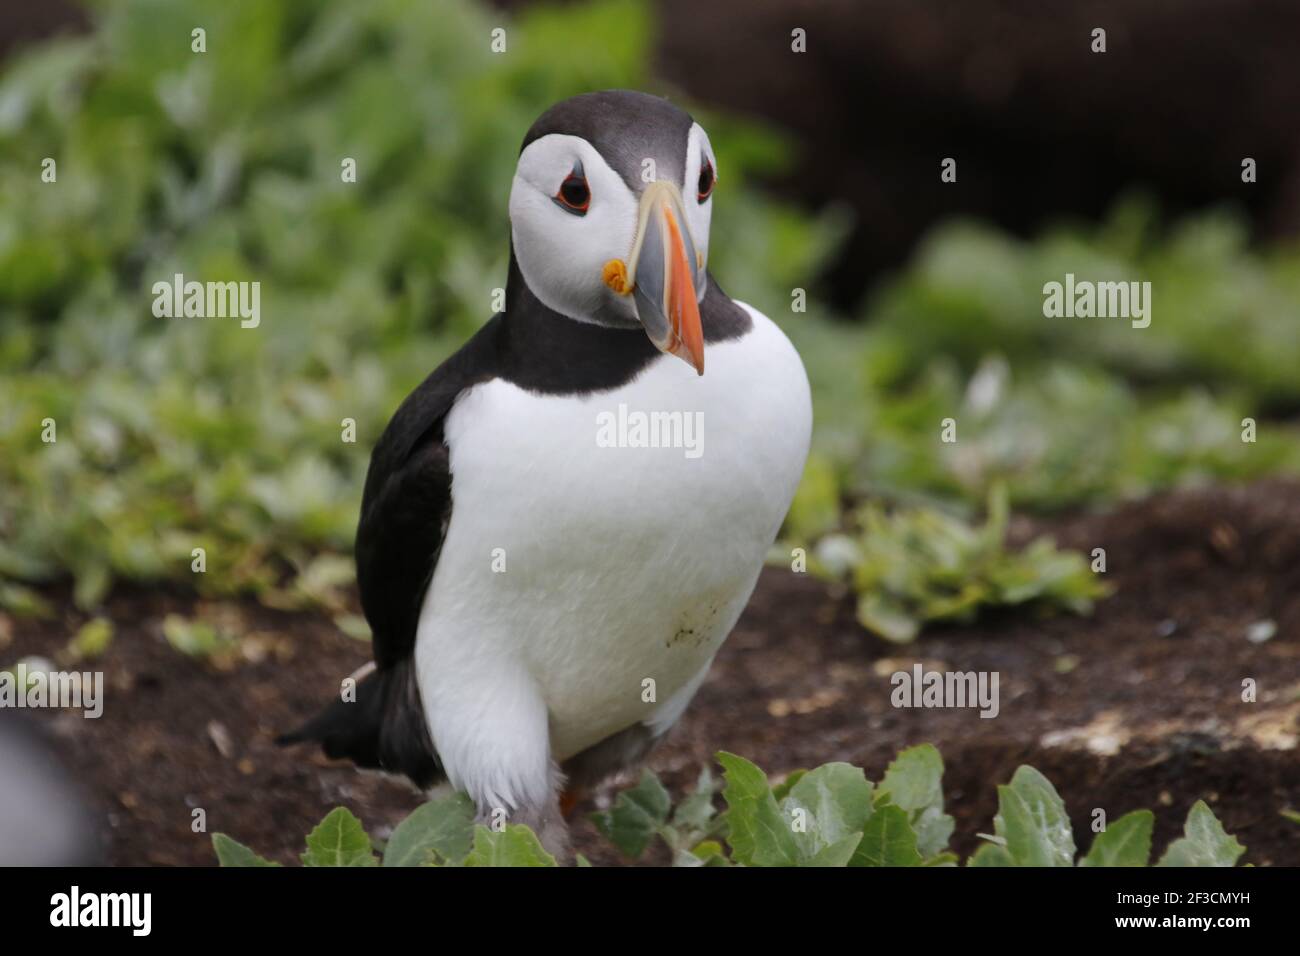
(1063, 412)
(1051, 413)
(1224, 316)
(175, 434)
(919, 565)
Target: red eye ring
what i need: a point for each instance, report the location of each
(574, 195)
(707, 180)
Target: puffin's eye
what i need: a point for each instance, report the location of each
(574, 195)
(706, 181)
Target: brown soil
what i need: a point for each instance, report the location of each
(1137, 706)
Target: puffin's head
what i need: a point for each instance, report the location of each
(609, 215)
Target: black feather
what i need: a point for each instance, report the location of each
(383, 729)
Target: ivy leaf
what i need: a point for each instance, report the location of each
(1126, 842)
(443, 827)
(888, 840)
(1031, 817)
(233, 853)
(1204, 842)
(636, 816)
(516, 845)
(339, 840)
(758, 833)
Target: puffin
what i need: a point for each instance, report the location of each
(546, 582)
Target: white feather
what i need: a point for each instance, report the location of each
(621, 564)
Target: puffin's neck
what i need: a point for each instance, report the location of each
(544, 351)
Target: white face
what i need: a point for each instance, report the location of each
(562, 250)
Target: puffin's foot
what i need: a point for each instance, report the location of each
(569, 801)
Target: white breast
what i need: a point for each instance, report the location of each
(573, 572)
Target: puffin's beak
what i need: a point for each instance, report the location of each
(663, 275)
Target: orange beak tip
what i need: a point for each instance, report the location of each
(682, 307)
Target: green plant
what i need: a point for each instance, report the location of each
(645, 812)
(1064, 412)
(439, 833)
(914, 566)
(830, 816)
(1223, 313)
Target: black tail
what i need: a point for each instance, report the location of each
(383, 729)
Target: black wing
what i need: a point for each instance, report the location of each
(404, 513)
(407, 500)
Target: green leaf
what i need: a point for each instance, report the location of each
(233, 853)
(695, 814)
(836, 798)
(516, 845)
(1204, 842)
(442, 827)
(1126, 842)
(888, 840)
(914, 782)
(991, 854)
(836, 854)
(758, 832)
(23, 601)
(194, 638)
(782, 789)
(816, 505)
(636, 816)
(339, 840)
(887, 618)
(1031, 817)
(711, 853)
(92, 583)
(933, 830)
(92, 639)
(914, 779)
